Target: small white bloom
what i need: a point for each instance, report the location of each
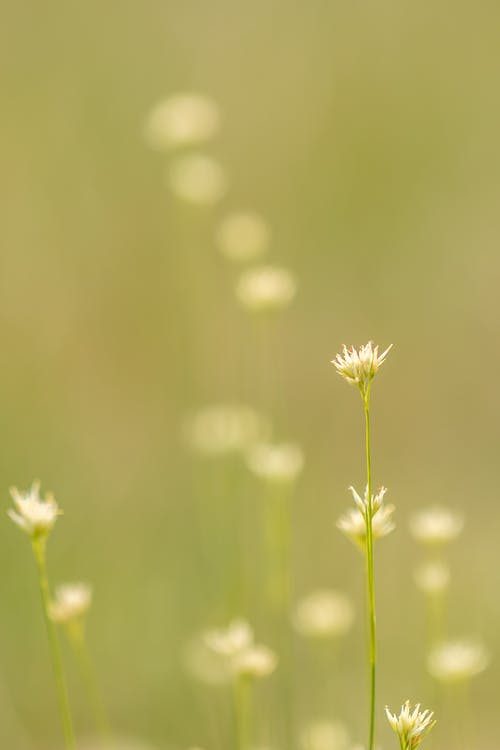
(231, 641)
(225, 428)
(235, 644)
(436, 525)
(353, 522)
(197, 178)
(324, 734)
(455, 661)
(323, 614)
(71, 602)
(181, 120)
(412, 725)
(32, 514)
(359, 366)
(278, 462)
(432, 577)
(266, 288)
(255, 661)
(205, 664)
(243, 237)
(362, 502)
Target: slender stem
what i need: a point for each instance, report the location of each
(62, 695)
(242, 712)
(369, 570)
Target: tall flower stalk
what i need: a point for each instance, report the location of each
(371, 518)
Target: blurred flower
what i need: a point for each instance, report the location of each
(225, 428)
(325, 735)
(266, 288)
(71, 602)
(412, 725)
(432, 577)
(359, 366)
(455, 661)
(204, 664)
(255, 661)
(436, 525)
(197, 178)
(278, 462)
(182, 119)
(233, 640)
(353, 522)
(236, 645)
(243, 237)
(323, 614)
(32, 514)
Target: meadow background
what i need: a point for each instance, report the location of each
(367, 135)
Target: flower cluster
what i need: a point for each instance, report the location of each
(359, 366)
(411, 725)
(71, 602)
(235, 644)
(32, 514)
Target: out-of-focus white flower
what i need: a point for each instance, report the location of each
(323, 614)
(456, 661)
(436, 525)
(266, 288)
(243, 657)
(325, 734)
(181, 120)
(243, 236)
(432, 577)
(230, 641)
(197, 178)
(353, 522)
(32, 514)
(225, 428)
(255, 661)
(71, 602)
(412, 725)
(276, 462)
(204, 664)
(359, 366)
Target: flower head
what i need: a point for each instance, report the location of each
(237, 637)
(197, 178)
(432, 577)
(255, 661)
(182, 119)
(359, 366)
(71, 602)
(225, 428)
(243, 237)
(276, 462)
(266, 288)
(32, 514)
(353, 522)
(436, 525)
(457, 661)
(240, 655)
(323, 614)
(411, 725)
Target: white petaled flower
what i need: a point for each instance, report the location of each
(71, 602)
(324, 734)
(32, 514)
(226, 428)
(457, 661)
(276, 462)
(412, 725)
(243, 237)
(359, 366)
(182, 119)
(362, 502)
(197, 178)
(266, 288)
(230, 641)
(436, 525)
(353, 522)
(255, 661)
(432, 577)
(323, 614)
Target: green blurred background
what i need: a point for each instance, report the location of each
(367, 135)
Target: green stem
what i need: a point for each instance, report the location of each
(369, 570)
(62, 695)
(242, 711)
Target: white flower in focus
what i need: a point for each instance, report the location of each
(226, 428)
(412, 725)
(71, 602)
(242, 237)
(432, 577)
(231, 641)
(197, 178)
(455, 661)
(359, 366)
(181, 120)
(323, 614)
(32, 514)
(324, 734)
(278, 462)
(255, 661)
(266, 288)
(436, 525)
(362, 502)
(353, 522)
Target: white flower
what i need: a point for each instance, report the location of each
(411, 725)
(233, 640)
(455, 661)
(432, 577)
(32, 514)
(71, 602)
(362, 502)
(266, 288)
(359, 366)
(197, 178)
(182, 119)
(242, 237)
(353, 522)
(324, 734)
(278, 462)
(255, 661)
(235, 644)
(323, 614)
(226, 428)
(436, 525)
